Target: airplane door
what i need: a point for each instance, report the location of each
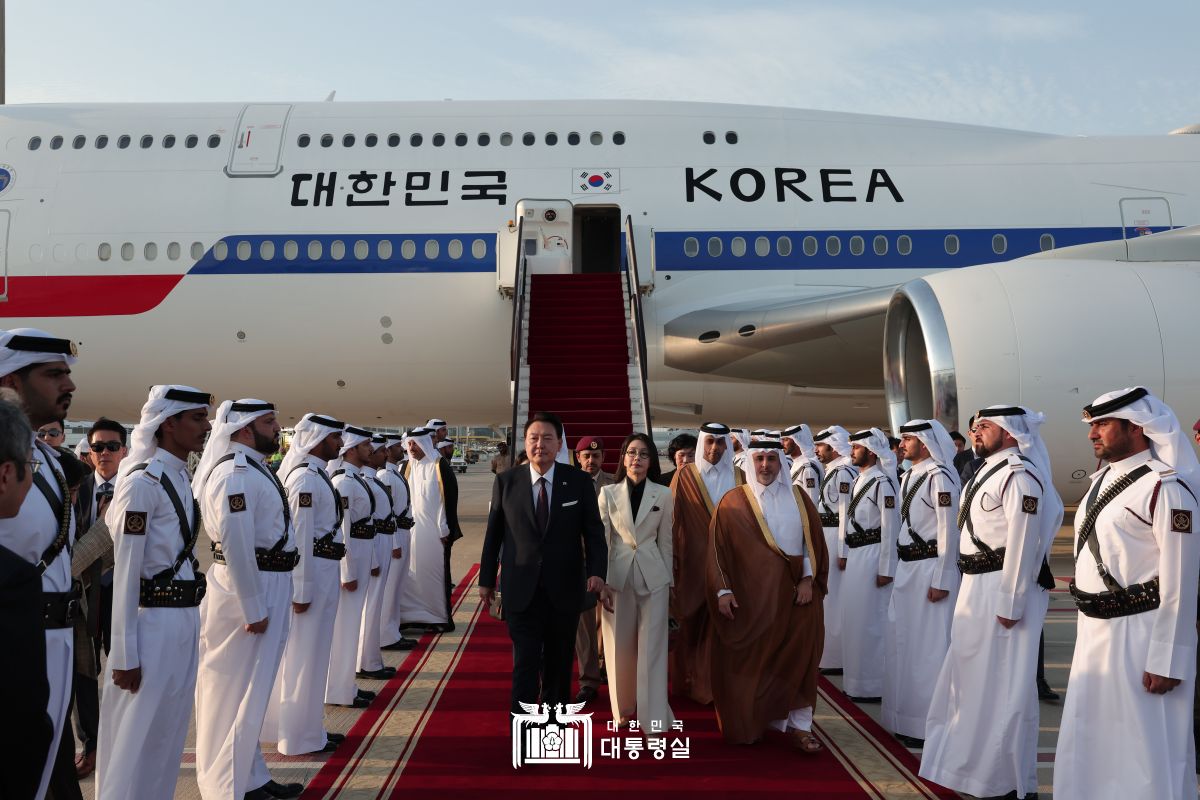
(259, 140)
(1141, 216)
(4, 255)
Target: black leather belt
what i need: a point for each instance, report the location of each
(1135, 599)
(864, 538)
(268, 560)
(829, 520)
(334, 551)
(61, 609)
(917, 551)
(172, 594)
(980, 563)
(386, 526)
(405, 522)
(362, 530)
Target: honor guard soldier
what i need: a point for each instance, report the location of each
(832, 446)
(1137, 560)
(37, 366)
(370, 658)
(157, 589)
(358, 534)
(807, 471)
(397, 487)
(298, 704)
(982, 730)
(246, 612)
(871, 519)
(926, 585)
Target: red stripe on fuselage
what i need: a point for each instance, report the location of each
(85, 295)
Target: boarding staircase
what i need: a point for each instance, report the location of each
(578, 350)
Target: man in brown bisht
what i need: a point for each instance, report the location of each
(766, 583)
(697, 488)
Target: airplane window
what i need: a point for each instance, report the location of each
(393, 140)
(460, 140)
(127, 251)
(762, 247)
(214, 141)
(197, 251)
(169, 141)
(710, 137)
(370, 140)
(484, 140)
(191, 141)
(243, 251)
(432, 248)
(738, 246)
(528, 139)
(810, 246)
(454, 249)
(439, 139)
(572, 138)
(1046, 242)
(348, 140)
(303, 140)
(505, 139)
(384, 249)
(337, 250)
(691, 247)
(999, 244)
(122, 141)
(147, 142)
(856, 245)
(478, 249)
(904, 245)
(881, 245)
(618, 138)
(327, 140)
(173, 251)
(597, 137)
(361, 250)
(151, 251)
(220, 251)
(314, 250)
(101, 142)
(551, 139)
(731, 137)
(951, 244)
(415, 140)
(715, 246)
(408, 249)
(291, 250)
(104, 251)
(56, 142)
(266, 250)
(783, 246)
(833, 245)
(35, 143)
(79, 142)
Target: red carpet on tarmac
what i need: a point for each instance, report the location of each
(441, 727)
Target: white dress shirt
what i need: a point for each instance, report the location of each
(534, 476)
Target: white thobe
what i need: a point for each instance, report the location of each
(864, 604)
(355, 567)
(982, 729)
(833, 494)
(141, 735)
(389, 620)
(369, 655)
(296, 716)
(237, 668)
(1117, 739)
(423, 593)
(807, 473)
(918, 631)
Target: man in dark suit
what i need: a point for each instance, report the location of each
(547, 519)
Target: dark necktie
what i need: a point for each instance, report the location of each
(541, 509)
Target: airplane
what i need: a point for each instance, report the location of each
(360, 258)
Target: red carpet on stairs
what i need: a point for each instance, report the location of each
(579, 357)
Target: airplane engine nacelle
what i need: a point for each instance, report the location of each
(1049, 332)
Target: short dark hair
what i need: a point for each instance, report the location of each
(110, 425)
(547, 417)
(958, 437)
(16, 437)
(655, 471)
(684, 441)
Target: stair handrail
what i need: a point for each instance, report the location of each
(633, 282)
(517, 334)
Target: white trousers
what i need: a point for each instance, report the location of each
(60, 673)
(389, 618)
(142, 735)
(864, 617)
(234, 684)
(343, 653)
(798, 719)
(831, 656)
(369, 656)
(635, 654)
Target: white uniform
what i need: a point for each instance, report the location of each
(356, 566)
(917, 635)
(296, 716)
(142, 735)
(865, 605)
(243, 511)
(807, 473)
(1117, 739)
(423, 594)
(389, 620)
(28, 535)
(369, 655)
(982, 729)
(833, 493)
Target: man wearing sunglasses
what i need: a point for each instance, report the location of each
(53, 433)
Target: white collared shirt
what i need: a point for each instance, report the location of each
(549, 476)
(782, 514)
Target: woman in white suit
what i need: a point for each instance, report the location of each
(637, 517)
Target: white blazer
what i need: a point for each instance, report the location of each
(646, 540)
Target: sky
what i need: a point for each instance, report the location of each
(1066, 67)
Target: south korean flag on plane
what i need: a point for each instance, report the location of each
(597, 181)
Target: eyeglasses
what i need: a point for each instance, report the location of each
(49, 434)
(640, 455)
(100, 447)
